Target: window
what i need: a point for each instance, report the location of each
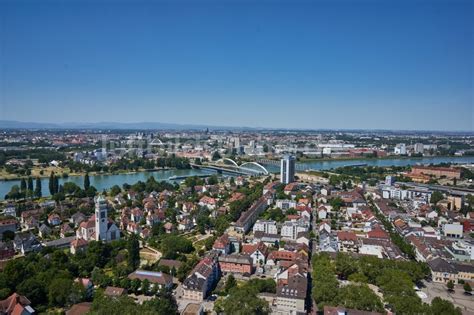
(102, 214)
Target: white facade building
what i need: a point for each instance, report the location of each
(453, 230)
(285, 204)
(400, 149)
(290, 229)
(266, 226)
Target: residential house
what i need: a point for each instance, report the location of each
(285, 204)
(44, 230)
(156, 278)
(267, 239)
(77, 245)
(114, 292)
(322, 212)
(8, 224)
(6, 250)
(201, 280)
(258, 252)
(347, 241)
(66, 230)
(266, 226)
(290, 229)
(136, 215)
(87, 284)
(208, 202)
(222, 244)
(236, 263)
(26, 242)
(16, 304)
(291, 297)
(54, 219)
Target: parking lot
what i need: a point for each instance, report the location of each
(458, 298)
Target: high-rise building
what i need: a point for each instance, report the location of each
(100, 219)
(287, 169)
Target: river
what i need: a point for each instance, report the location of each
(102, 182)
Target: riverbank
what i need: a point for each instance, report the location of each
(59, 171)
(106, 181)
(366, 158)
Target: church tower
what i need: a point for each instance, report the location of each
(101, 219)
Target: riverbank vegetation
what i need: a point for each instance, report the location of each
(40, 167)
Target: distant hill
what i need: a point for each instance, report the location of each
(12, 124)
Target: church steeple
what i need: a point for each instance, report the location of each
(100, 219)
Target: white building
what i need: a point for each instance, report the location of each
(290, 229)
(266, 226)
(453, 230)
(391, 192)
(285, 204)
(418, 148)
(400, 149)
(287, 169)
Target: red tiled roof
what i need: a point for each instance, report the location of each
(346, 236)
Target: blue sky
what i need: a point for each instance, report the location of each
(289, 64)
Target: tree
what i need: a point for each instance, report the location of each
(59, 290)
(30, 184)
(145, 286)
(360, 297)
(336, 203)
(467, 288)
(442, 307)
(87, 182)
(436, 196)
(133, 248)
(345, 265)
(53, 184)
(115, 190)
(450, 285)
(173, 245)
(162, 305)
(230, 283)
(23, 186)
(38, 192)
(135, 285)
(14, 193)
(34, 289)
(216, 156)
(56, 184)
(358, 277)
(243, 301)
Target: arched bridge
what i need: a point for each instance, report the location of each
(246, 168)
